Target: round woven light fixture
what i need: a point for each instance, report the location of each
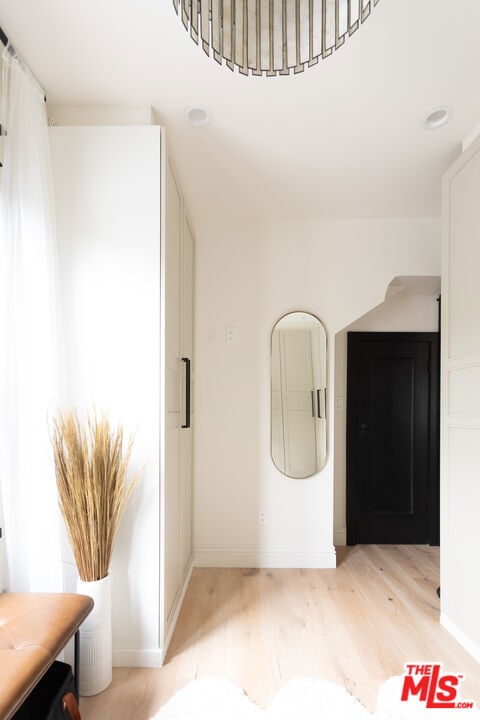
(272, 37)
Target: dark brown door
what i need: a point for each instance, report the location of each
(392, 438)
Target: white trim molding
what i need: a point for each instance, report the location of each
(137, 658)
(177, 608)
(271, 558)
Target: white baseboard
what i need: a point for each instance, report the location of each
(137, 658)
(273, 558)
(460, 637)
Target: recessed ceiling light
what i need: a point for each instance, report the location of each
(438, 117)
(198, 116)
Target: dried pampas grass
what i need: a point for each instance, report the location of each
(91, 471)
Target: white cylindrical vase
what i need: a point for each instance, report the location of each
(95, 669)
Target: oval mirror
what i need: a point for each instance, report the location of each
(299, 395)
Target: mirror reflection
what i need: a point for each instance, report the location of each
(299, 395)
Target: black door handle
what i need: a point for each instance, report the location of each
(187, 392)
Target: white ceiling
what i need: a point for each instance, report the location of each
(342, 139)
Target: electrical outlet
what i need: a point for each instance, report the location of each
(262, 517)
(231, 335)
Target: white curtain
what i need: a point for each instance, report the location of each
(28, 349)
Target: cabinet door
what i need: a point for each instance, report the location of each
(186, 436)
(460, 394)
(173, 372)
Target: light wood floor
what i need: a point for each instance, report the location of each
(356, 625)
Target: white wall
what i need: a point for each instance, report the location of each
(248, 276)
(107, 188)
(400, 313)
(3, 559)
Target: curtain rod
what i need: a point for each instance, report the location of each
(5, 41)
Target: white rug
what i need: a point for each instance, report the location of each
(300, 699)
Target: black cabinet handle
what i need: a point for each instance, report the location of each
(320, 416)
(187, 392)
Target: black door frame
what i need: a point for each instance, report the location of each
(433, 338)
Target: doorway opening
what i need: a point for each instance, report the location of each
(410, 305)
(393, 438)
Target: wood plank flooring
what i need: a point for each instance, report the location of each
(356, 625)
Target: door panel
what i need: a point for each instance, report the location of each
(172, 498)
(392, 397)
(186, 434)
(391, 438)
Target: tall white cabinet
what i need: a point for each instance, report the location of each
(460, 442)
(126, 272)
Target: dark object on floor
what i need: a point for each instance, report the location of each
(45, 702)
(438, 591)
